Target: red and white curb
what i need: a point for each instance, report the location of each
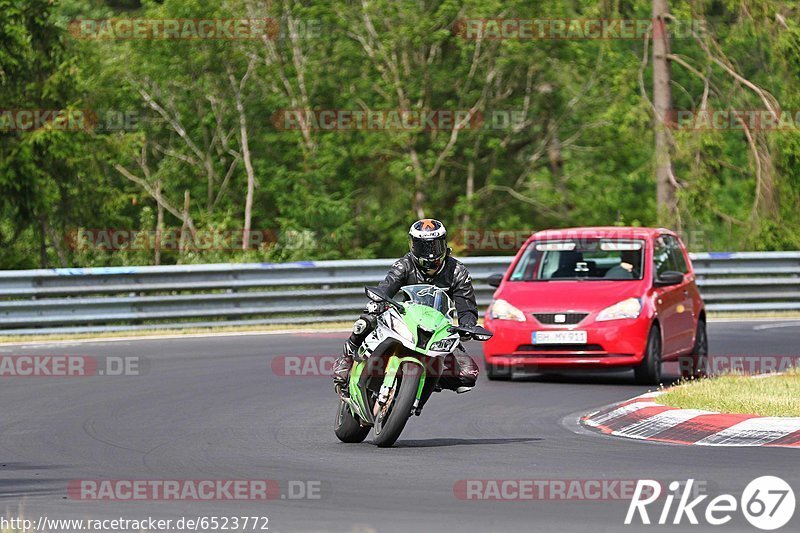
(642, 418)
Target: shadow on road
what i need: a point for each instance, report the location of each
(436, 443)
(598, 378)
(25, 480)
(19, 488)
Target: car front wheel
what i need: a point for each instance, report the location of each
(648, 372)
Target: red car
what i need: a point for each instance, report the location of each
(608, 298)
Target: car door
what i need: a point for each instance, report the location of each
(669, 299)
(685, 312)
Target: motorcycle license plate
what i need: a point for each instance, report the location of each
(559, 337)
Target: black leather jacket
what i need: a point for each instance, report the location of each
(454, 277)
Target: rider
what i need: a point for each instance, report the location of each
(430, 262)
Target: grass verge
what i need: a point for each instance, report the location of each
(777, 395)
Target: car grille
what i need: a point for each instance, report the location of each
(569, 318)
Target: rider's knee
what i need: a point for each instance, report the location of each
(360, 326)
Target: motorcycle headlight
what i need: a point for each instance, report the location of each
(444, 345)
(629, 308)
(400, 328)
(502, 310)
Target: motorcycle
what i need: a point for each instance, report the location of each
(400, 364)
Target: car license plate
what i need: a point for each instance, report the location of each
(559, 337)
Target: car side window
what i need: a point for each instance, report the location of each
(677, 256)
(662, 260)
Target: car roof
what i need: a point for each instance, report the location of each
(601, 232)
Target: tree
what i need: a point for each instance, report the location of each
(666, 197)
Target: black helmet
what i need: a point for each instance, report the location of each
(427, 240)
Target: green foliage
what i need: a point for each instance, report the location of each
(581, 153)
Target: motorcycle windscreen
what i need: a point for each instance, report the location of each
(430, 296)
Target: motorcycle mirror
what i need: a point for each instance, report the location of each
(374, 294)
(377, 296)
(479, 333)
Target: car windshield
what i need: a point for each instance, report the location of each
(430, 296)
(581, 259)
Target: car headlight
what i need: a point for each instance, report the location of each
(502, 310)
(444, 345)
(400, 328)
(629, 308)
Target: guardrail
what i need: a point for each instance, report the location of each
(130, 298)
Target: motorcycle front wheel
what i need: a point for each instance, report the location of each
(395, 413)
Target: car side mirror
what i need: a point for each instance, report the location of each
(494, 280)
(670, 277)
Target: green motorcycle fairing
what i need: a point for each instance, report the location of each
(418, 320)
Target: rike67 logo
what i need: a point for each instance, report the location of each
(767, 502)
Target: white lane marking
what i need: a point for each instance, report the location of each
(753, 432)
(616, 413)
(72, 342)
(657, 423)
(751, 319)
(762, 327)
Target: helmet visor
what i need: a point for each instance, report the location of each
(429, 253)
(429, 249)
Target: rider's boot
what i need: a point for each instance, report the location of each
(342, 366)
(466, 370)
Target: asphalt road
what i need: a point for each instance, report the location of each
(215, 408)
